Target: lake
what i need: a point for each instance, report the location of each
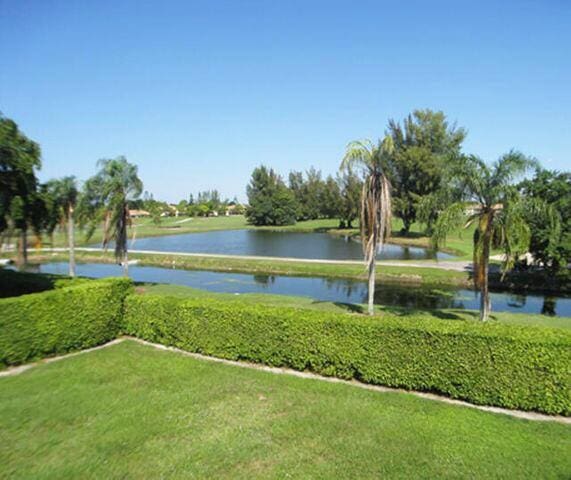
(278, 244)
(324, 289)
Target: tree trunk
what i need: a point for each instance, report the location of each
(485, 304)
(71, 241)
(406, 223)
(125, 264)
(22, 259)
(371, 306)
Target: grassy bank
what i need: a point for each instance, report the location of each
(453, 314)
(130, 411)
(385, 273)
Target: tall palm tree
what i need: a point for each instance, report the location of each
(376, 210)
(106, 198)
(65, 195)
(497, 211)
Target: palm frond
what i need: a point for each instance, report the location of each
(358, 153)
(450, 219)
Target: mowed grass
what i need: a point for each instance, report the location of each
(385, 273)
(445, 314)
(130, 411)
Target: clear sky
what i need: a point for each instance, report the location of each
(197, 93)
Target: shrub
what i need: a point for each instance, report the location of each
(504, 365)
(58, 321)
(13, 283)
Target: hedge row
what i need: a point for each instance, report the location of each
(13, 283)
(515, 367)
(58, 321)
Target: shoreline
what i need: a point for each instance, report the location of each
(399, 272)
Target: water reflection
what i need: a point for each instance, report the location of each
(264, 280)
(327, 289)
(549, 306)
(278, 244)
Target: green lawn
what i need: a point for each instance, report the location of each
(130, 411)
(405, 274)
(455, 314)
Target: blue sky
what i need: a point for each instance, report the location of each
(199, 93)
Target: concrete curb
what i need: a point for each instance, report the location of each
(532, 416)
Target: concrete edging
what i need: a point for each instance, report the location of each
(533, 416)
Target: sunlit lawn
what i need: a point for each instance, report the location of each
(130, 411)
(451, 314)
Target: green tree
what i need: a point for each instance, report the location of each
(106, 197)
(496, 209)
(550, 245)
(182, 207)
(351, 187)
(376, 208)
(52, 210)
(331, 201)
(424, 145)
(19, 159)
(308, 191)
(270, 201)
(63, 197)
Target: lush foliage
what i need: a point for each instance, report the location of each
(270, 201)
(54, 322)
(20, 204)
(13, 283)
(550, 246)
(106, 199)
(509, 366)
(495, 208)
(425, 145)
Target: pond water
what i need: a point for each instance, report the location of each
(278, 244)
(323, 289)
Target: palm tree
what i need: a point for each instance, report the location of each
(376, 212)
(495, 208)
(65, 194)
(106, 198)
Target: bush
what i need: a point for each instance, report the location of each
(515, 367)
(13, 283)
(58, 321)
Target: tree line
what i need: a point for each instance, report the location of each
(417, 172)
(28, 206)
(423, 170)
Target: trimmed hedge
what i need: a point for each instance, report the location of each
(14, 283)
(490, 364)
(58, 321)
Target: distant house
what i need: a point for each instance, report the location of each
(234, 209)
(174, 210)
(138, 213)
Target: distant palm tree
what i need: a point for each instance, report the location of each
(64, 195)
(496, 209)
(376, 210)
(106, 198)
